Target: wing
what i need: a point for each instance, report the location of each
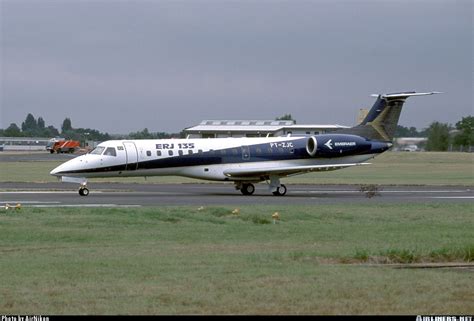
(284, 171)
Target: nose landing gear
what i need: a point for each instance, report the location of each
(83, 191)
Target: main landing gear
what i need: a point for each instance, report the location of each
(280, 191)
(274, 185)
(247, 189)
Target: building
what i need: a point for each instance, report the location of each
(23, 143)
(255, 128)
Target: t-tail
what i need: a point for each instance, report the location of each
(382, 119)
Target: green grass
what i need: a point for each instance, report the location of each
(209, 260)
(402, 168)
(398, 168)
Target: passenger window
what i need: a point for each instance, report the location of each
(148, 153)
(170, 152)
(110, 152)
(190, 152)
(158, 153)
(180, 152)
(199, 151)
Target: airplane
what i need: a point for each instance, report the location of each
(243, 161)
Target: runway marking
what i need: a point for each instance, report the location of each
(58, 204)
(30, 202)
(455, 197)
(382, 191)
(86, 205)
(44, 192)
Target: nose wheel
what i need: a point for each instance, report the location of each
(83, 191)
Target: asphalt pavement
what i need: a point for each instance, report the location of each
(118, 194)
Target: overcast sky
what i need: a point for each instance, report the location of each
(121, 66)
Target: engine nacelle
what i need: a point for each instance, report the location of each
(312, 146)
(333, 145)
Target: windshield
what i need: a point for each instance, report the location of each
(98, 150)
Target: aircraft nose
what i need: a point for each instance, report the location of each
(64, 168)
(55, 171)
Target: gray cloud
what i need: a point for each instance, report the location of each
(121, 66)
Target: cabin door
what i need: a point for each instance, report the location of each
(132, 156)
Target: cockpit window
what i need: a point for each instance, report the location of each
(98, 150)
(110, 152)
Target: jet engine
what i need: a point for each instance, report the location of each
(334, 145)
(312, 146)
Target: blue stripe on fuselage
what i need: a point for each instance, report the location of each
(293, 150)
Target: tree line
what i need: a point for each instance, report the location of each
(441, 136)
(33, 127)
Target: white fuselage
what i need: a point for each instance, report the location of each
(197, 158)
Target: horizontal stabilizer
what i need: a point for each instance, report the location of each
(405, 94)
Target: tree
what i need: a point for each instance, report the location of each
(403, 131)
(41, 124)
(13, 131)
(29, 125)
(67, 126)
(286, 117)
(51, 131)
(465, 137)
(144, 134)
(438, 137)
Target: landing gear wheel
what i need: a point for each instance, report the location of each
(281, 190)
(83, 191)
(247, 189)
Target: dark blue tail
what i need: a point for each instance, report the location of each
(382, 120)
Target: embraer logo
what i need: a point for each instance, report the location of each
(328, 144)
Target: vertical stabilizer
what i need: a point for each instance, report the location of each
(382, 119)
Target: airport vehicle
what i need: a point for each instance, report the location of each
(244, 161)
(60, 145)
(410, 148)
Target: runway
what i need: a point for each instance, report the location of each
(135, 195)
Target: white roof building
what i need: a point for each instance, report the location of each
(255, 128)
